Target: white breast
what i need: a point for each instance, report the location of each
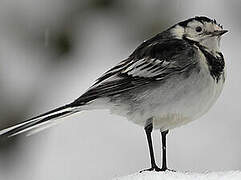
(193, 98)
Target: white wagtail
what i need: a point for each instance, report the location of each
(169, 80)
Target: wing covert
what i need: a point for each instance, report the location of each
(148, 63)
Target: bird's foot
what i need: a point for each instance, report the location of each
(166, 169)
(153, 168)
(157, 169)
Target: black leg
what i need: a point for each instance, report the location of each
(154, 167)
(164, 149)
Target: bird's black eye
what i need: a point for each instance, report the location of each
(199, 29)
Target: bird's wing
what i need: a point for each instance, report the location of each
(149, 62)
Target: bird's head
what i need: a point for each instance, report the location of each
(200, 29)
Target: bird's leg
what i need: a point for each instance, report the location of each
(164, 154)
(164, 151)
(154, 167)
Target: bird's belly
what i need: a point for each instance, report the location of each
(177, 102)
(187, 103)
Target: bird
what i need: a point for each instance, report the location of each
(169, 80)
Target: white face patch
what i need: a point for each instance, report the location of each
(212, 43)
(199, 32)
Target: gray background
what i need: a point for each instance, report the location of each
(51, 51)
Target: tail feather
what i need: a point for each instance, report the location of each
(38, 122)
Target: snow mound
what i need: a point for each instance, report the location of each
(230, 175)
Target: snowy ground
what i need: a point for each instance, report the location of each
(230, 175)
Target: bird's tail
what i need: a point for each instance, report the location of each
(40, 122)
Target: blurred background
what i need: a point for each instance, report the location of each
(51, 51)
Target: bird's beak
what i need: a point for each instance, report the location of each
(219, 32)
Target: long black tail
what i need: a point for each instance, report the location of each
(38, 122)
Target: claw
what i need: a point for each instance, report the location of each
(171, 170)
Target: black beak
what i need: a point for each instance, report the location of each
(219, 32)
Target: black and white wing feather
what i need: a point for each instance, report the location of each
(150, 62)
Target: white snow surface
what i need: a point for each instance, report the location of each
(229, 175)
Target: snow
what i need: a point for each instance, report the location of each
(229, 175)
